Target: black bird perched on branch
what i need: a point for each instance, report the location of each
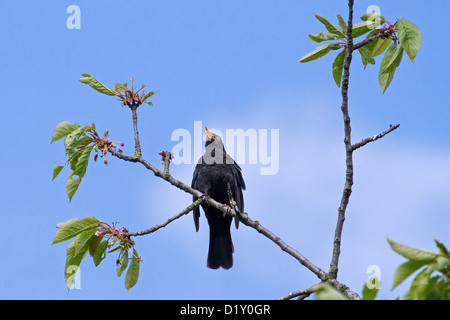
(215, 173)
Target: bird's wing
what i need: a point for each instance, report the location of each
(194, 198)
(238, 186)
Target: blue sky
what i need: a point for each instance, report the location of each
(230, 64)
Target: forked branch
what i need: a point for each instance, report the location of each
(329, 277)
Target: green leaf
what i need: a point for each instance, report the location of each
(379, 46)
(372, 16)
(123, 263)
(95, 84)
(391, 60)
(412, 253)
(326, 292)
(147, 95)
(100, 252)
(72, 185)
(394, 60)
(342, 24)
(441, 247)
(56, 170)
(72, 227)
(94, 243)
(320, 37)
(421, 285)
(73, 261)
(371, 293)
(330, 27)
(75, 152)
(320, 52)
(118, 88)
(441, 264)
(363, 27)
(82, 162)
(410, 37)
(366, 56)
(405, 270)
(133, 271)
(74, 136)
(63, 129)
(367, 49)
(338, 66)
(405, 296)
(117, 248)
(83, 240)
(437, 289)
(441, 288)
(385, 78)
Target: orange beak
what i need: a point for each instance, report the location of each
(208, 134)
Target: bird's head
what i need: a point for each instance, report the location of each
(212, 138)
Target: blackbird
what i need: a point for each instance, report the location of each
(214, 174)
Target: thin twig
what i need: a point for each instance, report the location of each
(137, 143)
(302, 294)
(374, 138)
(162, 225)
(167, 157)
(387, 33)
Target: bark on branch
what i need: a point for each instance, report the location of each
(348, 148)
(362, 143)
(162, 225)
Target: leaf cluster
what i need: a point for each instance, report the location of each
(78, 146)
(432, 282)
(95, 237)
(91, 235)
(79, 142)
(381, 37)
(128, 96)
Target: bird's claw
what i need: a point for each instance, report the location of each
(206, 198)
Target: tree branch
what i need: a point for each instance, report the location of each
(226, 209)
(344, 289)
(167, 156)
(301, 294)
(348, 147)
(362, 143)
(304, 293)
(244, 218)
(162, 225)
(383, 33)
(137, 143)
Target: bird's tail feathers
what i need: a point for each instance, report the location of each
(221, 250)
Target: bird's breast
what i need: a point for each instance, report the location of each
(218, 173)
